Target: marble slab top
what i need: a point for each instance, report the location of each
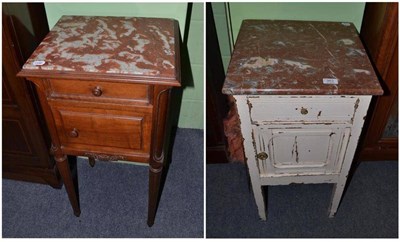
(141, 47)
(300, 58)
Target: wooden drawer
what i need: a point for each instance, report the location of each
(99, 91)
(304, 109)
(118, 131)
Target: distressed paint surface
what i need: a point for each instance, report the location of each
(113, 45)
(294, 57)
(313, 150)
(255, 168)
(301, 149)
(303, 110)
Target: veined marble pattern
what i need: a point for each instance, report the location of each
(119, 45)
(299, 57)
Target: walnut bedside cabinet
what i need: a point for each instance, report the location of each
(104, 85)
(302, 91)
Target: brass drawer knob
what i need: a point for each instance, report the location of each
(97, 91)
(74, 133)
(304, 111)
(262, 156)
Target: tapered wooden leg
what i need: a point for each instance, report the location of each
(337, 193)
(156, 162)
(71, 184)
(259, 197)
(154, 190)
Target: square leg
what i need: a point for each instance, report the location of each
(337, 193)
(259, 197)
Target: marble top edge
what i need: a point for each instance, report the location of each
(302, 92)
(115, 17)
(296, 56)
(134, 79)
(295, 20)
(109, 45)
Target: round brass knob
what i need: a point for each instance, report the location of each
(304, 111)
(262, 156)
(97, 91)
(74, 133)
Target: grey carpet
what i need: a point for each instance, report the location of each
(113, 200)
(369, 208)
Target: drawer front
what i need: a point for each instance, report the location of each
(316, 109)
(99, 91)
(300, 150)
(104, 129)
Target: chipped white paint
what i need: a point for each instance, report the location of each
(249, 151)
(294, 178)
(288, 110)
(304, 139)
(302, 149)
(358, 123)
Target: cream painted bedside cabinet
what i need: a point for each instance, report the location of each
(302, 91)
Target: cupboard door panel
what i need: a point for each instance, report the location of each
(316, 149)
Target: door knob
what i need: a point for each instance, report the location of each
(304, 111)
(262, 156)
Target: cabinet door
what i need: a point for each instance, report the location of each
(312, 149)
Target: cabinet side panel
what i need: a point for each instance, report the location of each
(249, 150)
(360, 113)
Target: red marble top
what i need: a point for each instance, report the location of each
(300, 57)
(120, 46)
